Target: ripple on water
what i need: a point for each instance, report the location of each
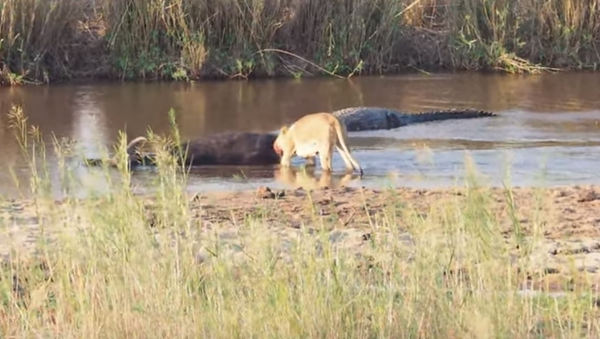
(548, 128)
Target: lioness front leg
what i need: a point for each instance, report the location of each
(286, 160)
(310, 161)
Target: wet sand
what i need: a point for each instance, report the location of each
(566, 218)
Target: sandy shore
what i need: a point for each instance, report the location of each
(567, 218)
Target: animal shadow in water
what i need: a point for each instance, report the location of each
(306, 178)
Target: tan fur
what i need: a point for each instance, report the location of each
(315, 133)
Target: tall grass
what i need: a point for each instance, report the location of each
(191, 39)
(106, 273)
(41, 40)
(511, 35)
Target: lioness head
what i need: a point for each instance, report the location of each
(282, 141)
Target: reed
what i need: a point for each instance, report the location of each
(103, 271)
(39, 40)
(192, 39)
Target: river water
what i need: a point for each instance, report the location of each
(547, 133)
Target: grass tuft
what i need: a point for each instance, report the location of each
(103, 270)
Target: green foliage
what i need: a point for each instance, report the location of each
(191, 39)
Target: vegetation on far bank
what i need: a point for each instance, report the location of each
(112, 274)
(192, 39)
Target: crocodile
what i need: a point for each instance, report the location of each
(375, 118)
(247, 148)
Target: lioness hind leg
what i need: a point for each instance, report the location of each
(326, 179)
(325, 162)
(325, 158)
(349, 165)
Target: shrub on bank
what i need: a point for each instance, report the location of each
(191, 39)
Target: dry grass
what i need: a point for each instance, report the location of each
(110, 275)
(42, 40)
(191, 39)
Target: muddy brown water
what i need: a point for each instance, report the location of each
(548, 131)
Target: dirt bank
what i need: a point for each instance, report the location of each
(566, 219)
(564, 212)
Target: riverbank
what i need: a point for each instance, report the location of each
(559, 217)
(60, 40)
(125, 262)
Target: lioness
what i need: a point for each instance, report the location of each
(315, 133)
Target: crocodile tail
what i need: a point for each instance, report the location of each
(428, 116)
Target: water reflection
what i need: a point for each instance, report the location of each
(555, 112)
(307, 178)
(90, 126)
